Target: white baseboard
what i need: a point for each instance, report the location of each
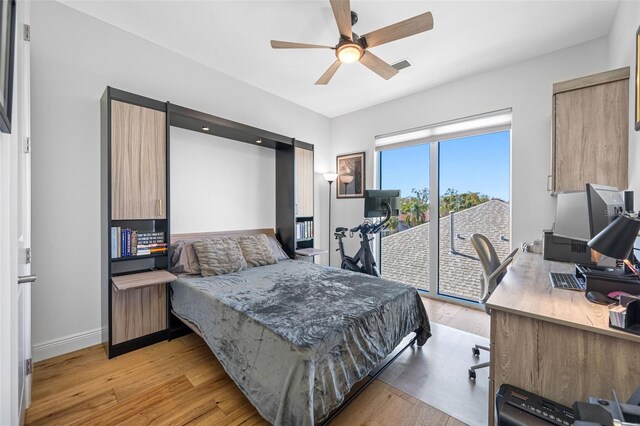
(66, 344)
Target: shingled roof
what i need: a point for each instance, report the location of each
(405, 254)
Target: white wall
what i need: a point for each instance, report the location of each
(219, 184)
(74, 57)
(526, 87)
(622, 53)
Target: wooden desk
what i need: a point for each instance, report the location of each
(554, 342)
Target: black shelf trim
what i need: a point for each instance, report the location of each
(137, 220)
(131, 98)
(191, 119)
(146, 256)
(137, 343)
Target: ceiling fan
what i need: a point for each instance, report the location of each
(353, 48)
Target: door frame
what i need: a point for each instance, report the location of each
(22, 123)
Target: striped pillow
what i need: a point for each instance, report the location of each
(218, 256)
(256, 250)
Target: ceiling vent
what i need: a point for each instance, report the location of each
(402, 64)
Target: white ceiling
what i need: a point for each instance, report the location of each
(468, 37)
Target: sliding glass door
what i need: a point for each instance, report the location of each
(472, 176)
(474, 198)
(405, 255)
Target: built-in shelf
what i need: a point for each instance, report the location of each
(146, 256)
(142, 279)
(310, 252)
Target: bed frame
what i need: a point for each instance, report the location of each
(357, 388)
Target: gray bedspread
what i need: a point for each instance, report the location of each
(295, 336)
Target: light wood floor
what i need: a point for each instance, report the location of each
(181, 382)
(463, 318)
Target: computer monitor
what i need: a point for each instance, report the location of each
(374, 202)
(572, 217)
(605, 203)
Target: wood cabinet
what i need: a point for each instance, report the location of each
(303, 165)
(134, 202)
(294, 196)
(590, 131)
(138, 162)
(304, 182)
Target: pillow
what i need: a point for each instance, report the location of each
(184, 259)
(277, 249)
(256, 250)
(219, 256)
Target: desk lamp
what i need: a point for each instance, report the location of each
(617, 239)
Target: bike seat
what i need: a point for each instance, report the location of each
(341, 229)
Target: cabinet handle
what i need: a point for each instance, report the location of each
(549, 183)
(159, 209)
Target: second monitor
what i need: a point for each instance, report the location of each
(375, 199)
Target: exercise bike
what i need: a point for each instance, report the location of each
(363, 261)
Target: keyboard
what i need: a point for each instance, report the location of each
(567, 281)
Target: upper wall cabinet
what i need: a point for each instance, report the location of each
(138, 162)
(590, 131)
(304, 182)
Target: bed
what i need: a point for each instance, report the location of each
(296, 336)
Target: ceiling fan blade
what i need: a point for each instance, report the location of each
(402, 29)
(328, 74)
(342, 13)
(277, 44)
(377, 65)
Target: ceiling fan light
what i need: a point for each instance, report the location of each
(349, 53)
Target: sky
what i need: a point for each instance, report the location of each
(474, 164)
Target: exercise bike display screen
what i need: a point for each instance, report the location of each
(376, 201)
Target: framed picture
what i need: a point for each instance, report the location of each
(7, 49)
(638, 79)
(351, 175)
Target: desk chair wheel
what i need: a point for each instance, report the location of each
(472, 375)
(476, 352)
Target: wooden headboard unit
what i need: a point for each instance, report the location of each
(205, 235)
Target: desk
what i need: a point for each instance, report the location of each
(554, 342)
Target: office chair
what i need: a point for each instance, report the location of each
(492, 273)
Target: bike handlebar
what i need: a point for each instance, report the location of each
(368, 228)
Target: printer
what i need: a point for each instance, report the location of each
(567, 241)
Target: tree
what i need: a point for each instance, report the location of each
(393, 223)
(415, 207)
(452, 201)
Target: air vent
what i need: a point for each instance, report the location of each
(402, 64)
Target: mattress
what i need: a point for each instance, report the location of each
(295, 336)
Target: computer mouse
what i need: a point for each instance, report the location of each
(599, 298)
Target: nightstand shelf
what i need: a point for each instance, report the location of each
(142, 279)
(310, 252)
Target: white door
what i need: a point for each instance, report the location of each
(22, 123)
(15, 228)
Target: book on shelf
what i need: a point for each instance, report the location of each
(127, 242)
(304, 230)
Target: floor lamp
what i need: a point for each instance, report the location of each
(330, 177)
